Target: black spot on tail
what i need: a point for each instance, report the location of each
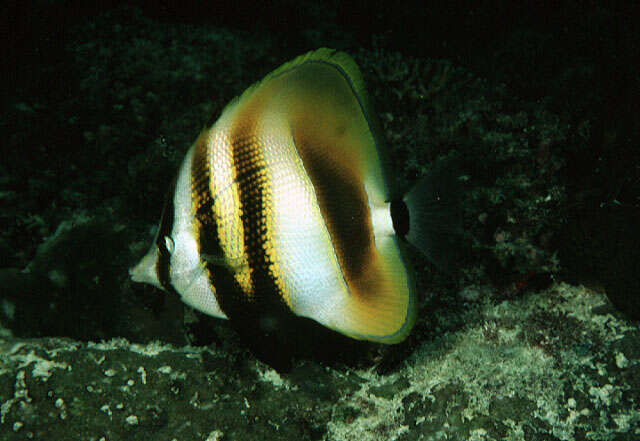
(400, 217)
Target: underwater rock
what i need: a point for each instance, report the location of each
(600, 245)
(73, 285)
(551, 365)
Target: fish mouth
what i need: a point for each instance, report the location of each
(145, 271)
(134, 273)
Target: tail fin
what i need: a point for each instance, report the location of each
(429, 217)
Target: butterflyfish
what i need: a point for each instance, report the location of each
(285, 205)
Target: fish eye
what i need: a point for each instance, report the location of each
(169, 244)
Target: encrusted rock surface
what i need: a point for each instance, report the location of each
(557, 364)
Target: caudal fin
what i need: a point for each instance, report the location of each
(429, 217)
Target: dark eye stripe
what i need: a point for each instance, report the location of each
(163, 264)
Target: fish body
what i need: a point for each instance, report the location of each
(283, 206)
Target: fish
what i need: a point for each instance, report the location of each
(286, 206)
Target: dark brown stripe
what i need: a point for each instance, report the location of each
(253, 188)
(203, 211)
(361, 98)
(202, 202)
(264, 300)
(343, 204)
